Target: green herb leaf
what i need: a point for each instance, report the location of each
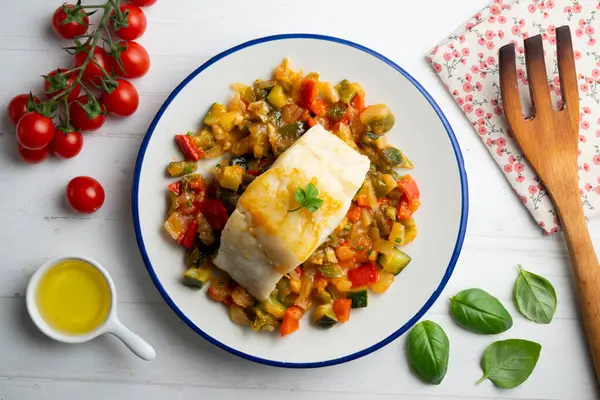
(307, 198)
(478, 311)
(508, 363)
(428, 350)
(535, 297)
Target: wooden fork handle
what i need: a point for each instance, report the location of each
(586, 272)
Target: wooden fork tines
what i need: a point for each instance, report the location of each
(549, 141)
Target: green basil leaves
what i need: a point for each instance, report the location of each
(534, 297)
(508, 363)
(428, 350)
(478, 311)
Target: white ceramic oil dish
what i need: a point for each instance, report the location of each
(111, 324)
(421, 132)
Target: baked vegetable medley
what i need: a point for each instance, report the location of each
(309, 206)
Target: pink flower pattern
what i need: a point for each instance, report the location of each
(467, 64)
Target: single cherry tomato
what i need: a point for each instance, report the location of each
(85, 194)
(135, 61)
(143, 3)
(52, 80)
(80, 118)
(34, 131)
(77, 25)
(67, 144)
(363, 275)
(32, 156)
(135, 24)
(18, 107)
(93, 72)
(123, 101)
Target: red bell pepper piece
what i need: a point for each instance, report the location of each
(354, 213)
(309, 89)
(363, 275)
(341, 308)
(299, 271)
(403, 209)
(318, 106)
(311, 122)
(215, 213)
(190, 236)
(410, 191)
(188, 148)
(198, 185)
(291, 320)
(175, 187)
(253, 172)
(358, 102)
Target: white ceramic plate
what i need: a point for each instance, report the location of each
(421, 131)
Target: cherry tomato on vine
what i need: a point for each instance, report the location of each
(93, 72)
(67, 144)
(18, 107)
(32, 156)
(77, 24)
(85, 194)
(135, 60)
(143, 3)
(56, 79)
(34, 131)
(123, 101)
(134, 24)
(79, 115)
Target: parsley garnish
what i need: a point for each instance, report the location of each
(307, 198)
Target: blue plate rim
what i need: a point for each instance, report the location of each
(459, 240)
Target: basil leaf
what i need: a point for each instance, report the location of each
(300, 195)
(428, 349)
(535, 297)
(478, 311)
(508, 363)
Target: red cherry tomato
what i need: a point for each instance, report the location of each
(18, 107)
(136, 22)
(143, 3)
(363, 275)
(67, 144)
(70, 29)
(70, 81)
(135, 60)
(85, 194)
(34, 131)
(32, 156)
(80, 119)
(93, 72)
(123, 101)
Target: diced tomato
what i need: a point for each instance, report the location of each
(190, 236)
(362, 200)
(341, 308)
(309, 89)
(299, 271)
(358, 102)
(354, 213)
(219, 291)
(345, 119)
(291, 320)
(320, 282)
(253, 172)
(363, 275)
(215, 213)
(175, 187)
(311, 122)
(411, 192)
(188, 148)
(403, 210)
(318, 106)
(198, 185)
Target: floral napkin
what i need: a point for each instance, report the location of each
(467, 63)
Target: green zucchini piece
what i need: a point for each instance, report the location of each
(394, 262)
(360, 298)
(196, 277)
(324, 316)
(274, 307)
(216, 110)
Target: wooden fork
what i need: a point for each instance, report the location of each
(549, 141)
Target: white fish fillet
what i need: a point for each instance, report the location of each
(262, 239)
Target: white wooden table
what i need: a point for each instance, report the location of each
(182, 34)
